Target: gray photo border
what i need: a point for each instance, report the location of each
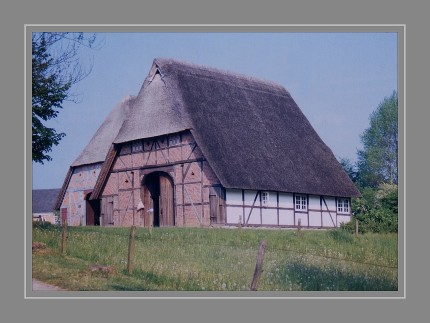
(13, 18)
(399, 29)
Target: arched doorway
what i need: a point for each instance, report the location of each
(158, 199)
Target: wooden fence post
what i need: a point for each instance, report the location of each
(151, 222)
(258, 265)
(131, 249)
(64, 237)
(239, 226)
(299, 227)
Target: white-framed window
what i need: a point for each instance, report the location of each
(265, 198)
(343, 205)
(301, 202)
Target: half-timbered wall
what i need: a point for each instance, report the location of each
(82, 180)
(198, 197)
(270, 208)
(177, 156)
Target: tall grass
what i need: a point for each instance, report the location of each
(203, 259)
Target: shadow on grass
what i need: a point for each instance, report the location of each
(300, 276)
(117, 287)
(150, 281)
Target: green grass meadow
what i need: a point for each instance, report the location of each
(216, 259)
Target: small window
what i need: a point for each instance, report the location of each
(125, 149)
(301, 203)
(136, 146)
(174, 140)
(343, 206)
(265, 198)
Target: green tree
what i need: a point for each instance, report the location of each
(376, 171)
(378, 162)
(47, 96)
(55, 68)
(349, 168)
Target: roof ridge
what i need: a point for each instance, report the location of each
(159, 62)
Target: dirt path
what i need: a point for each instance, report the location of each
(38, 285)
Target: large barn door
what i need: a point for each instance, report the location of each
(166, 202)
(107, 211)
(148, 204)
(158, 200)
(89, 213)
(151, 199)
(92, 211)
(216, 205)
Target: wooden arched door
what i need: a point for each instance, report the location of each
(158, 200)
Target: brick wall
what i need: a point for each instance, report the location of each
(83, 178)
(181, 159)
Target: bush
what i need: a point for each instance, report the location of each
(341, 235)
(376, 211)
(377, 221)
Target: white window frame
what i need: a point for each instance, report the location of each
(343, 206)
(265, 198)
(301, 202)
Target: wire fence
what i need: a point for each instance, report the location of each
(231, 265)
(333, 258)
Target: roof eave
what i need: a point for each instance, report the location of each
(104, 173)
(63, 189)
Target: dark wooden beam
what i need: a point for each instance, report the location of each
(104, 173)
(252, 207)
(201, 188)
(334, 225)
(243, 207)
(63, 190)
(152, 167)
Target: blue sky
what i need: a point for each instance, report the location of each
(337, 79)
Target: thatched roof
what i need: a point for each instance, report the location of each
(97, 148)
(43, 200)
(252, 132)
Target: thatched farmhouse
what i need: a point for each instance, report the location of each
(199, 147)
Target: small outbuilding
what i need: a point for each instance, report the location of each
(200, 146)
(43, 205)
(73, 199)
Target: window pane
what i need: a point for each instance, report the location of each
(343, 205)
(265, 198)
(301, 202)
(174, 140)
